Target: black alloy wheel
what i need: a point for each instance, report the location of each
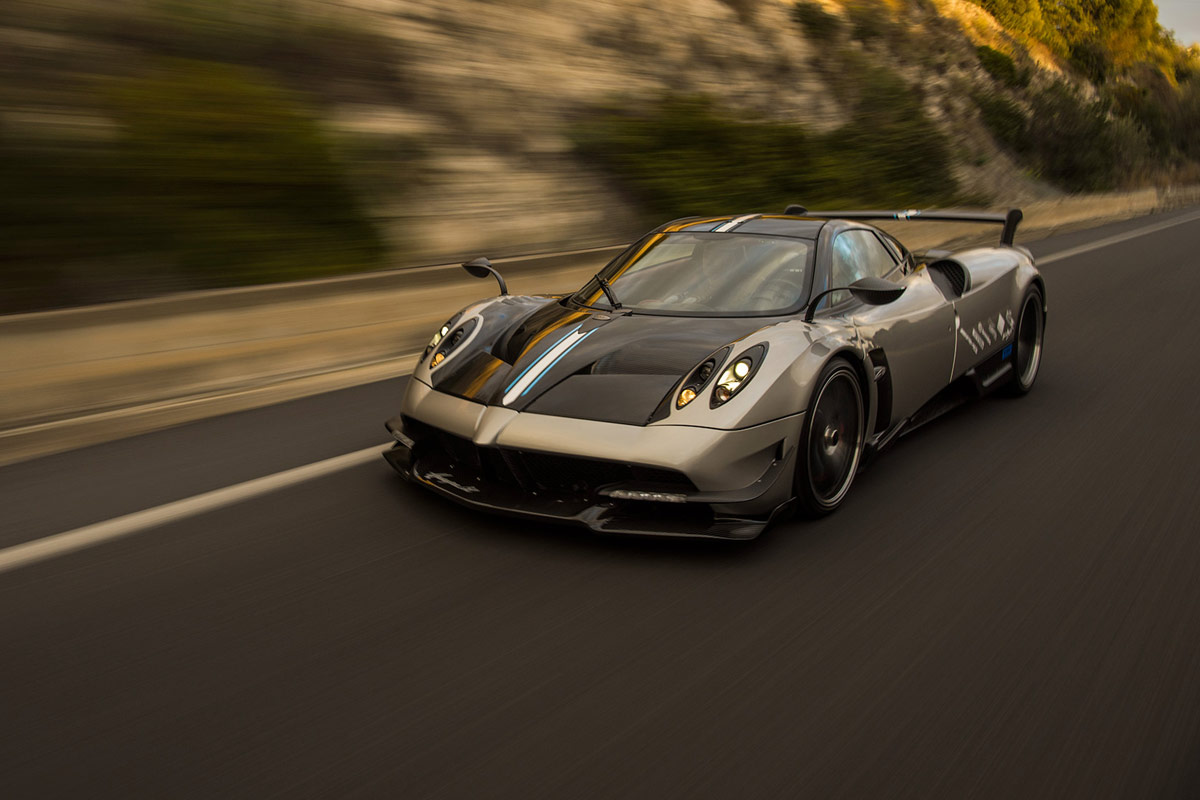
(832, 442)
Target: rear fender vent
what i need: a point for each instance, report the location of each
(950, 276)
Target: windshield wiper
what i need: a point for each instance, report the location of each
(608, 292)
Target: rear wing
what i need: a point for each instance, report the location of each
(1009, 219)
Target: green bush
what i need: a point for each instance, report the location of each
(1092, 60)
(304, 47)
(1001, 67)
(687, 155)
(239, 183)
(816, 21)
(1004, 119)
(1189, 118)
(216, 176)
(869, 20)
(1075, 144)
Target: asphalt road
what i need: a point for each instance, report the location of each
(1008, 606)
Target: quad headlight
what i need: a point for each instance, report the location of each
(447, 338)
(699, 378)
(737, 375)
(440, 335)
(437, 337)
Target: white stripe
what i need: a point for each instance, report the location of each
(62, 543)
(539, 367)
(1111, 240)
(733, 223)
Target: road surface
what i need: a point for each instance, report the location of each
(1007, 606)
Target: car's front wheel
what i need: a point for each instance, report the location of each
(832, 440)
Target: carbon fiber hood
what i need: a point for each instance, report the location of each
(549, 358)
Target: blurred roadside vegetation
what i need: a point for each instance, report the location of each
(1126, 120)
(1124, 112)
(165, 145)
(1100, 38)
(1002, 68)
(686, 154)
(149, 146)
(1127, 111)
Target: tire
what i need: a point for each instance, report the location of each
(1027, 344)
(831, 442)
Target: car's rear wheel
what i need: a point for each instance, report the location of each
(1027, 346)
(832, 440)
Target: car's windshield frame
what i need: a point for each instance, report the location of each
(614, 268)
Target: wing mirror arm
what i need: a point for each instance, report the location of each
(872, 291)
(481, 268)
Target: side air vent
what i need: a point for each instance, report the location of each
(950, 276)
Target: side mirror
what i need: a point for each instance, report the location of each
(481, 268)
(876, 291)
(872, 291)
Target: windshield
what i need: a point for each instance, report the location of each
(699, 273)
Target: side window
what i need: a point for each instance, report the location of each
(897, 250)
(857, 254)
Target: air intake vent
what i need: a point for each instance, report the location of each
(950, 276)
(532, 471)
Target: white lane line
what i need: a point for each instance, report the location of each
(69, 542)
(1117, 239)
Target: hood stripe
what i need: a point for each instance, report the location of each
(550, 366)
(531, 373)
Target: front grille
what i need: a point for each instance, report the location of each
(538, 471)
(568, 473)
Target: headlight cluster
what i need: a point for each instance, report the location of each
(700, 377)
(732, 378)
(447, 338)
(441, 334)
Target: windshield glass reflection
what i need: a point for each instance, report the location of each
(699, 273)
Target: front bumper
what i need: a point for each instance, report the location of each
(666, 480)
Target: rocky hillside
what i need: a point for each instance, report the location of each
(498, 87)
(150, 145)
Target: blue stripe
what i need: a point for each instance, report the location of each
(536, 360)
(555, 361)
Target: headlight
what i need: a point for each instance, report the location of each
(440, 335)
(437, 337)
(443, 343)
(694, 384)
(737, 375)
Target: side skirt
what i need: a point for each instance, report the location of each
(978, 381)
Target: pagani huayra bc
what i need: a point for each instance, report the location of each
(717, 373)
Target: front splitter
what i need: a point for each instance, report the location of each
(619, 517)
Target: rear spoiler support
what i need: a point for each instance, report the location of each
(1009, 220)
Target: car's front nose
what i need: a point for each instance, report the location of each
(658, 478)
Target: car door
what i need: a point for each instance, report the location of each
(986, 319)
(915, 332)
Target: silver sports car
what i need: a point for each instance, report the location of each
(717, 373)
